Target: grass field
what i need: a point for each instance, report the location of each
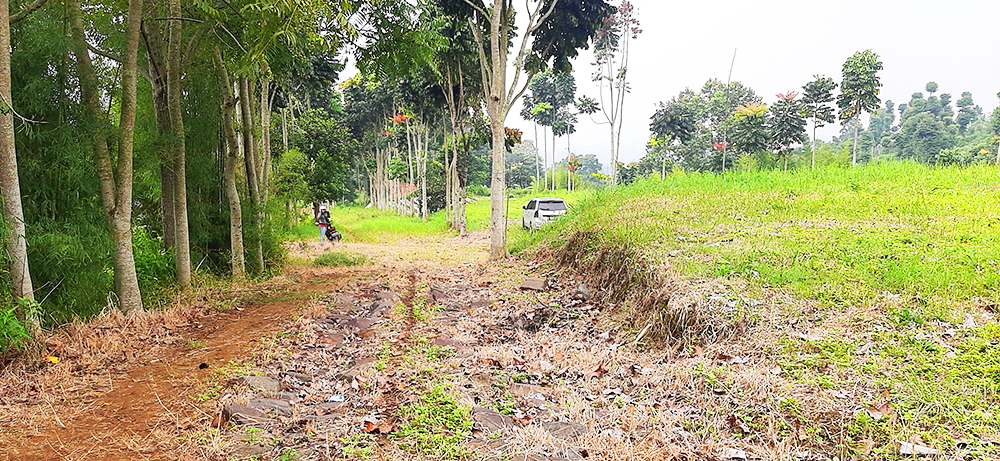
(369, 225)
(896, 266)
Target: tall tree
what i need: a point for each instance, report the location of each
(116, 192)
(859, 90)
(968, 112)
(786, 126)
(231, 148)
(673, 122)
(553, 32)
(10, 186)
(817, 94)
(750, 130)
(611, 54)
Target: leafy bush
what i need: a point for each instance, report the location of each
(339, 259)
(153, 265)
(13, 334)
(477, 190)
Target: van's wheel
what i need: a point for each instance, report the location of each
(523, 225)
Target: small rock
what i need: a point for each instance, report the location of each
(299, 376)
(489, 421)
(565, 430)
(535, 284)
(249, 451)
(262, 382)
(242, 414)
(582, 293)
(276, 406)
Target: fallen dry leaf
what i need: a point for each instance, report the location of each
(882, 411)
(599, 371)
(737, 425)
(866, 446)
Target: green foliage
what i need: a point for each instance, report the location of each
(436, 426)
(13, 332)
(339, 259)
(153, 265)
(861, 85)
(817, 94)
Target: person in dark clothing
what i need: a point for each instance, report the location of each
(323, 221)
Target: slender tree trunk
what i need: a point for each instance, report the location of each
(854, 145)
(253, 175)
(10, 188)
(265, 137)
(813, 166)
(156, 58)
(423, 173)
(116, 196)
(538, 176)
(545, 159)
(284, 129)
(182, 249)
(238, 263)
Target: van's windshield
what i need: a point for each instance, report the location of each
(552, 206)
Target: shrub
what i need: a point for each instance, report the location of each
(339, 258)
(13, 334)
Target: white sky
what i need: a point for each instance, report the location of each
(781, 44)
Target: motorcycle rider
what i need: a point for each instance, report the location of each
(323, 221)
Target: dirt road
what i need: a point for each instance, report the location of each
(425, 351)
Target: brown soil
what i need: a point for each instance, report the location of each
(355, 345)
(142, 405)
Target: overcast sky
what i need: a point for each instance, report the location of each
(781, 44)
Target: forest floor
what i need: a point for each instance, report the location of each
(429, 351)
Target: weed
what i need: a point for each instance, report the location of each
(357, 446)
(436, 426)
(195, 343)
(340, 259)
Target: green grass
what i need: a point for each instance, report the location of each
(339, 259)
(836, 235)
(436, 426)
(359, 224)
(919, 246)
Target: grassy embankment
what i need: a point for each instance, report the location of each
(896, 265)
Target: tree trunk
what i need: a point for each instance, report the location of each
(238, 263)
(284, 129)
(814, 146)
(10, 188)
(155, 52)
(496, 108)
(253, 178)
(423, 174)
(854, 145)
(538, 177)
(264, 173)
(116, 196)
(182, 248)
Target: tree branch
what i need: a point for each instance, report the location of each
(99, 52)
(199, 21)
(17, 17)
(477, 8)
